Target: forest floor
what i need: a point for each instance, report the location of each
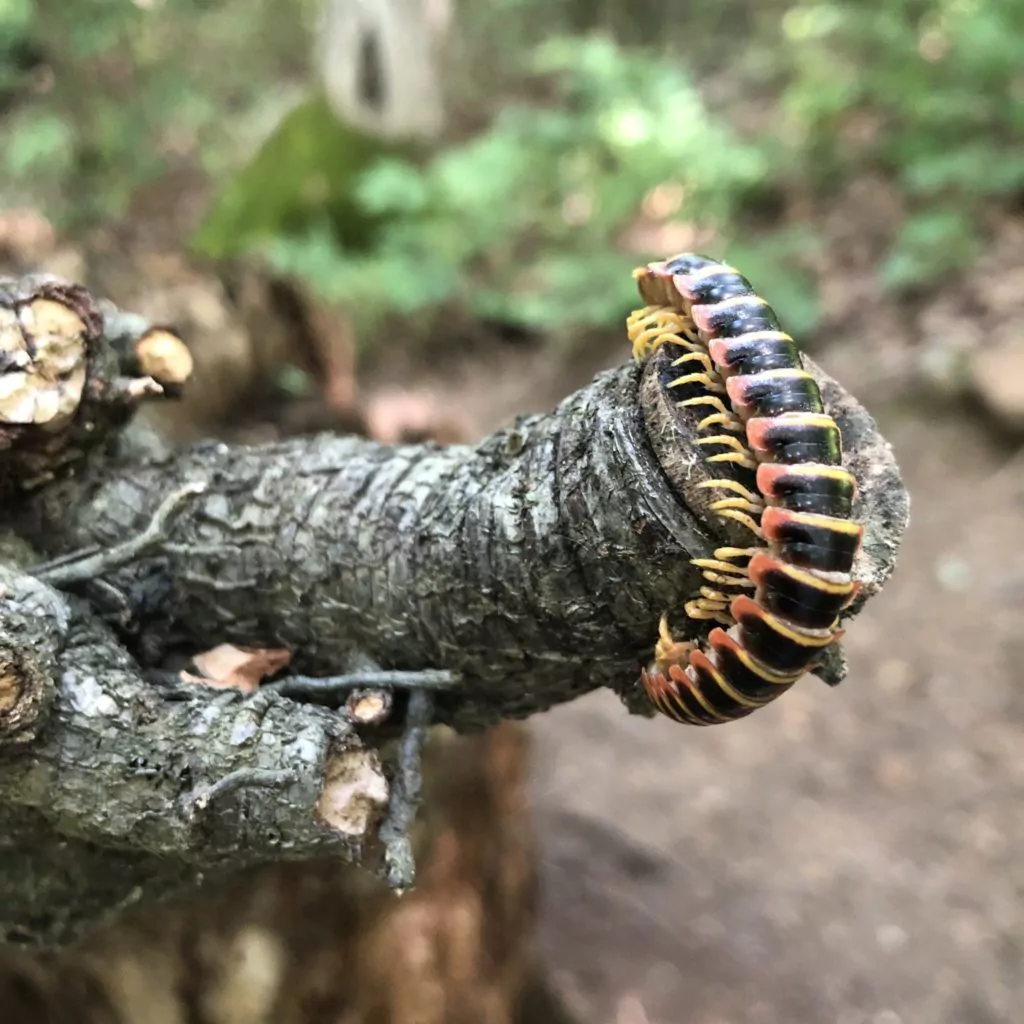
(848, 856)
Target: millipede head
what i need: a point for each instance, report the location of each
(669, 652)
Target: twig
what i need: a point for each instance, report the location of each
(399, 862)
(243, 778)
(91, 562)
(300, 687)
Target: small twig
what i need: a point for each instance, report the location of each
(93, 561)
(242, 778)
(399, 862)
(329, 686)
(132, 390)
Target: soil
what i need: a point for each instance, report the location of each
(850, 856)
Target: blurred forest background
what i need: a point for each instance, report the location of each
(417, 218)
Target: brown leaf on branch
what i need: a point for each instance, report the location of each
(232, 665)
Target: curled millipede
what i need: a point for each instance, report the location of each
(776, 602)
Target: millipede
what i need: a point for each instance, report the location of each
(776, 603)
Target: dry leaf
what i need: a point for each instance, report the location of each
(244, 668)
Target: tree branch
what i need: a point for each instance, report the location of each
(527, 570)
(125, 794)
(534, 565)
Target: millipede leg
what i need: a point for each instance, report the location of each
(697, 357)
(725, 439)
(699, 608)
(728, 581)
(732, 485)
(755, 508)
(729, 553)
(668, 651)
(743, 518)
(723, 569)
(653, 326)
(704, 379)
(746, 461)
(718, 565)
(728, 422)
(722, 416)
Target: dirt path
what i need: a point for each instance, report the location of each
(849, 856)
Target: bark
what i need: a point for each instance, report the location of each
(533, 566)
(311, 944)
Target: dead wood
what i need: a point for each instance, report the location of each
(524, 571)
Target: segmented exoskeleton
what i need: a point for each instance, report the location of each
(779, 599)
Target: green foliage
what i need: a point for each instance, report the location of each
(931, 92)
(117, 93)
(303, 175)
(525, 221)
(607, 132)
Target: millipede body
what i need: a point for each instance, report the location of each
(777, 601)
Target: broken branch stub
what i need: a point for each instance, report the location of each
(63, 388)
(115, 795)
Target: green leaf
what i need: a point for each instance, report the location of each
(41, 143)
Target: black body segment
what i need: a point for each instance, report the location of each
(686, 263)
(743, 672)
(736, 317)
(812, 542)
(799, 596)
(797, 437)
(815, 488)
(774, 392)
(771, 642)
(753, 355)
(709, 288)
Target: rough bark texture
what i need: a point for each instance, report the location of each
(124, 790)
(33, 623)
(316, 944)
(534, 565)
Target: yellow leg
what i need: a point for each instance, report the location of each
(723, 569)
(727, 553)
(715, 565)
(722, 417)
(700, 609)
(740, 503)
(698, 357)
(746, 461)
(725, 439)
(743, 519)
(668, 651)
(732, 485)
(653, 326)
(705, 380)
(725, 422)
(722, 580)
